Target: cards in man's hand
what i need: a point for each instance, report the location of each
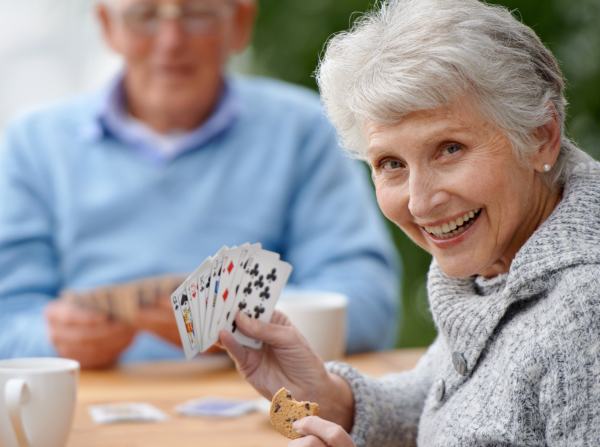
(245, 278)
(122, 301)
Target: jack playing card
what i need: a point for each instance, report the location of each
(185, 322)
(197, 303)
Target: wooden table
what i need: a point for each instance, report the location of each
(166, 384)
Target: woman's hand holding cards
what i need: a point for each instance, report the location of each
(286, 360)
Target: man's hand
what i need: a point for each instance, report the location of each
(88, 336)
(160, 320)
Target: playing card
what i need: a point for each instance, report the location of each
(127, 301)
(193, 293)
(101, 301)
(127, 411)
(245, 266)
(167, 284)
(185, 323)
(259, 291)
(215, 276)
(217, 407)
(148, 291)
(247, 251)
(204, 281)
(231, 262)
(116, 309)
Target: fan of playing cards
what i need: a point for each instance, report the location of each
(245, 278)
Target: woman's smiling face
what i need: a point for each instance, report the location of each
(450, 181)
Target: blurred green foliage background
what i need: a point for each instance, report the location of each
(290, 35)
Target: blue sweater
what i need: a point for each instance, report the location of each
(79, 208)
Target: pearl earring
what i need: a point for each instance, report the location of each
(547, 168)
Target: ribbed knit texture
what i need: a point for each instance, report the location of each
(530, 338)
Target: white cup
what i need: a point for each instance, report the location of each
(321, 318)
(37, 401)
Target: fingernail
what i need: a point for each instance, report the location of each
(244, 319)
(297, 427)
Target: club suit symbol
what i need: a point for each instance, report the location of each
(254, 271)
(259, 282)
(241, 306)
(271, 277)
(248, 289)
(265, 295)
(258, 310)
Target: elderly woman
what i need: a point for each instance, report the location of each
(459, 110)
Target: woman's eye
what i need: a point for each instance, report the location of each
(450, 149)
(391, 165)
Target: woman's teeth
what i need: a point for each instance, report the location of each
(454, 227)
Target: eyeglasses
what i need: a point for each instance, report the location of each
(195, 17)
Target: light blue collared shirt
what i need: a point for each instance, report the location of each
(114, 118)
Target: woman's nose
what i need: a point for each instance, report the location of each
(425, 193)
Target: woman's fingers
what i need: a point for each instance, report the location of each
(280, 318)
(237, 351)
(307, 441)
(274, 334)
(331, 434)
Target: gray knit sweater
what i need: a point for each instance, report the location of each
(529, 342)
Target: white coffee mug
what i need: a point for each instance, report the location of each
(321, 318)
(37, 401)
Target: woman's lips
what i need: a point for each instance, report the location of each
(453, 227)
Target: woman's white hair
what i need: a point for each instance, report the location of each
(410, 55)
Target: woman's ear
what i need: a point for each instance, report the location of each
(550, 141)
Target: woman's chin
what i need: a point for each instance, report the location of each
(457, 269)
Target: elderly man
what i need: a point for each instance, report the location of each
(171, 161)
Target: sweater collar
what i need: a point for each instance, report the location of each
(569, 237)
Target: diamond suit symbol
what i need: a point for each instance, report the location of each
(226, 294)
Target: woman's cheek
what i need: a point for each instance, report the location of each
(391, 202)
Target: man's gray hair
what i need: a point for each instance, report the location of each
(410, 55)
